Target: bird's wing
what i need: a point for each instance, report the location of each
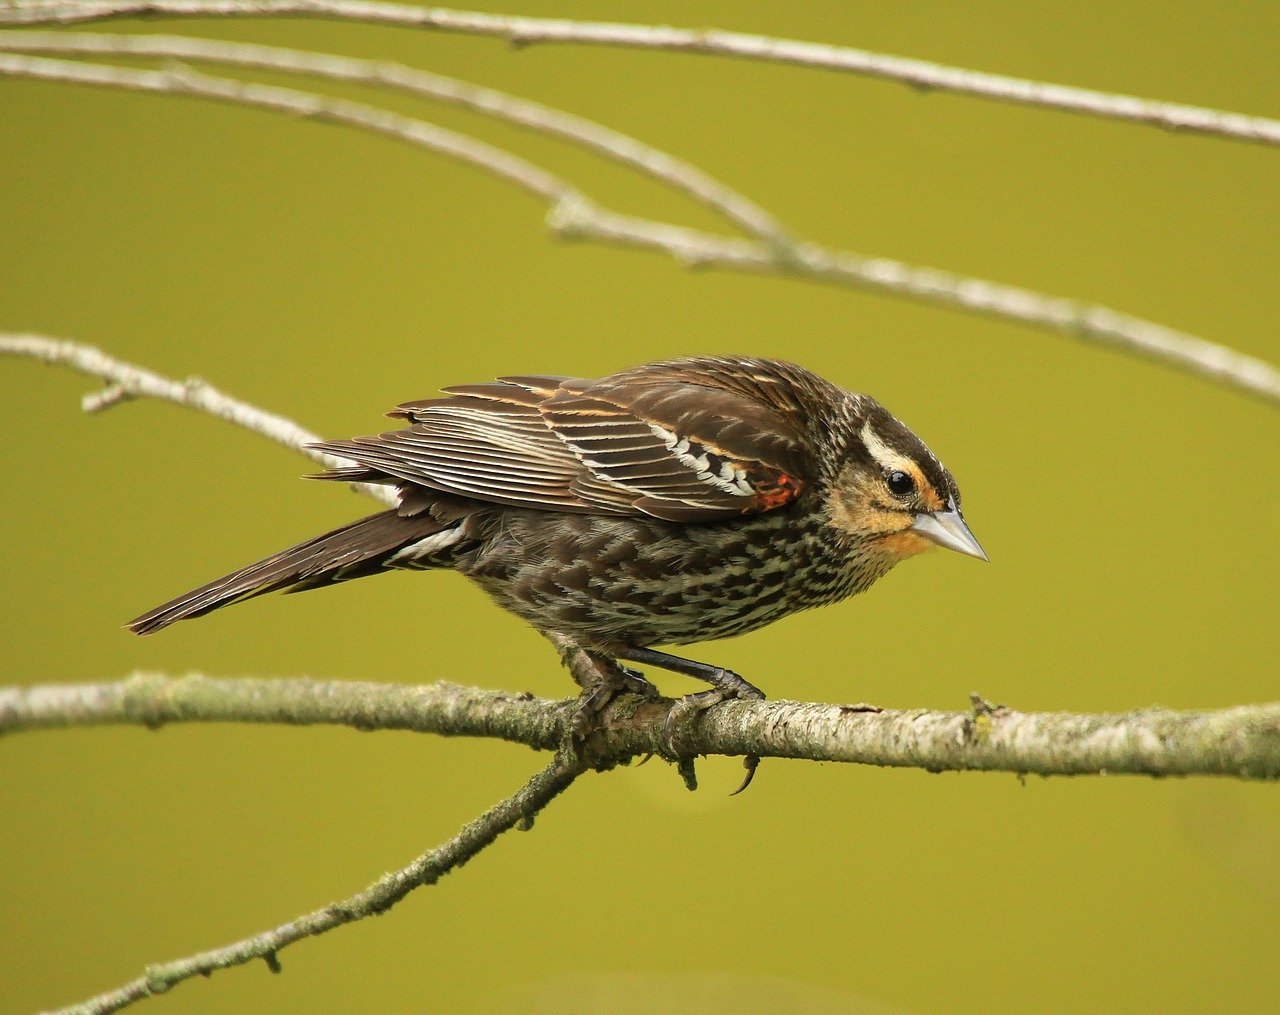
(674, 444)
(488, 442)
(652, 441)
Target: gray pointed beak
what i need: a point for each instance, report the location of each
(947, 528)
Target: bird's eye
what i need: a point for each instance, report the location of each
(899, 483)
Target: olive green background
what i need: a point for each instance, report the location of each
(1130, 512)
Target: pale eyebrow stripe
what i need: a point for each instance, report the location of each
(890, 459)
(885, 455)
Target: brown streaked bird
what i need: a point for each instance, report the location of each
(669, 503)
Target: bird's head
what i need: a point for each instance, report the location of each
(890, 493)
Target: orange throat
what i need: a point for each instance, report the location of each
(906, 543)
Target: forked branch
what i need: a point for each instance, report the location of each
(572, 214)
(1242, 742)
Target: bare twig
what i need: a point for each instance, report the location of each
(125, 381)
(1241, 742)
(574, 215)
(532, 115)
(921, 74)
(180, 80)
(1086, 321)
(518, 809)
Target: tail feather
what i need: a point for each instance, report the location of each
(362, 548)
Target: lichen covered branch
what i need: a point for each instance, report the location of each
(154, 700)
(1241, 742)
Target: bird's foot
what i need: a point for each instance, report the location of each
(609, 681)
(687, 710)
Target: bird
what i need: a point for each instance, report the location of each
(669, 503)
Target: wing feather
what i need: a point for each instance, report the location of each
(676, 441)
(688, 450)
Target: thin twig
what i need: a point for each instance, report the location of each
(1088, 322)
(1241, 742)
(532, 115)
(126, 380)
(920, 74)
(574, 215)
(518, 809)
(179, 80)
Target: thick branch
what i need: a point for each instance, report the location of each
(153, 700)
(574, 215)
(516, 810)
(920, 74)
(1242, 742)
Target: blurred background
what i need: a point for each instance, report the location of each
(1130, 512)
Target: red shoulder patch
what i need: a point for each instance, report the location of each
(782, 490)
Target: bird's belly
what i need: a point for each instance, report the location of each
(610, 582)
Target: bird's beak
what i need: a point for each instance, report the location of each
(947, 528)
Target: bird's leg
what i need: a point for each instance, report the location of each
(726, 685)
(601, 678)
(635, 681)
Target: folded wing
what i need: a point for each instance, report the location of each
(660, 440)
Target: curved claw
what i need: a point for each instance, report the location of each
(751, 762)
(693, 704)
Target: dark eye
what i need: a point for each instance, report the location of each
(899, 483)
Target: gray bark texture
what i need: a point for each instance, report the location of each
(1241, 742)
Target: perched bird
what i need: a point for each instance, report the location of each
(669, 503)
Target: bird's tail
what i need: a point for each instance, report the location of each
(362, 548)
